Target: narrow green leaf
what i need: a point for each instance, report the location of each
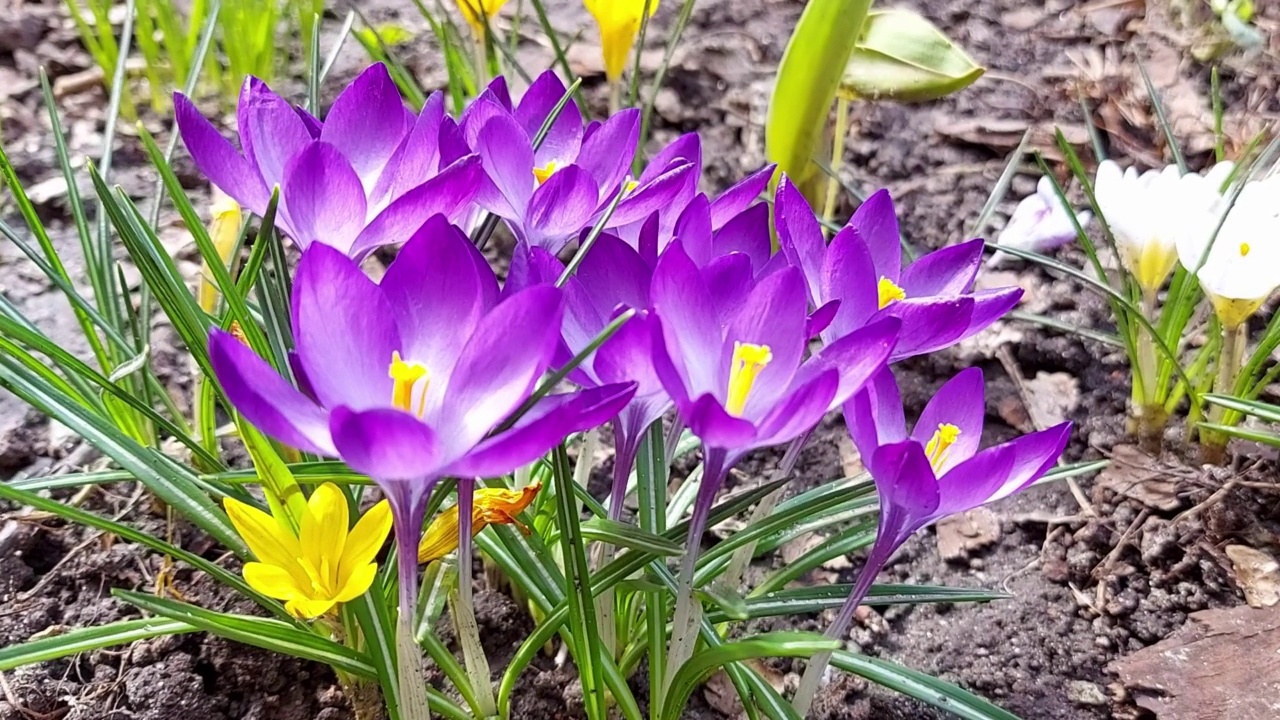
(78, 640)
(627, 535)
(813, 600)
(925, 688)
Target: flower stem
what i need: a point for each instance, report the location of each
(651, 488)
(688, 613)
(1148, 410)
(731, 580)
(412, 688)
(837, 158)
(462, 608)
(1230, 360)
(817, 665)
(615, 96)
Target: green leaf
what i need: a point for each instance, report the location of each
(1260, 410)
(732, 606)
(53, 646)
(626, 535)
(812, 600)
(808, 78)
(265, 633)
(776, 644)
(901, 56)
(928, 689)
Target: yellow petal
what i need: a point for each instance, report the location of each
(307, 609)
(619, 22)
(323, 532)
(357, 582)
(364, 542)
(269, 542)
(472, 10)
(272, 581)
(441, 537)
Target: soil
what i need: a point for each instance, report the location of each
(1090, 580)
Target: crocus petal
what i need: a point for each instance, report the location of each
(989, 306)
(906, 484)
(848, 275)
(365, 540)
(561, 207)
(820, 319)
(322, 531)
(627, 356)
(773, 316)
(732, 202)
(958, 402)
(345, 331)
(800, 410)
(856, 357)
(269, 541)
(730, 280)
(693, 229)
(613, 273)
(877, 224)
(271, 580)
(874, 414)
(708, 420)
(684, 150)
(322, 197)
(660, 194)
(449, 194)
(692, 344)
(800, 238)
(502, 361)
(564, 137)
(437, 290)
(267, 400)
(607, 152)
(367, 122)
(949, 271)
(746, 233)
(217, 160)
(385, 444)
(507, 157)
(417, 157)
(357, 582)
(271, 133)
(541, 429)
(1003, 470)
(928, 324)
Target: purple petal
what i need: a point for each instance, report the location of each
(949, 271)
(345, 330)
(439, 286)
(218, 160)
(800, 410)
(877, 224)
(736, 199)
(774, 316)
(385, 444)
(929, 325)
(849, 275)
(613, 274)
(663, 193)
(857, 356)
(692, 338)
(1003, 470)
(989, 306)
(500, 365)
(322, 197)
(906, 484)
(313, 124)
(627, 357)
(564, 137)
(267, 400)
(367, 122)
(541, 429)
(730, 281)
(417, 157)
(693, 230)
(712, 424)
(561, 207)
(507, 157)
(747, 233)
(607, 152)
(684, 150)
(448, 194)
(800, 239)
(959, 402)
(874, 415)
(271, 133)
(534, 266)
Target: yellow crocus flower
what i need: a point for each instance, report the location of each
(224, 231)
(324, 564)
(619, 22)
(495, 506)
(475, 12)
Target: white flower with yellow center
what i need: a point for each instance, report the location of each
(1241, 267)
(1150, 213)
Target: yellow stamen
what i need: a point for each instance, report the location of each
(406, 375)
(1244, 249)
(748, 361)
(889, 291)
(630, 186)
(939, 445)
(489, 506)
(542, 173)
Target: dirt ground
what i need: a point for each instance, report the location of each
(1094, 579)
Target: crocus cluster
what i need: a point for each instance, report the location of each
(437, 370)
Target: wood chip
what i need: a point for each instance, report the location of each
(960, 535)
(1221, 664)
(1257, 574)
(1136, 475)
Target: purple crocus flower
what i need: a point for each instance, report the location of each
(611, 279)
(859, 277)
(408, 379)
(369, 175)
(1040, 222)
(548, 195)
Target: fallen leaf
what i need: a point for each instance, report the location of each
(1198, 672)
(1052, 397)
(722, 696)
(1257, 575)
(960, 535)
(1005, 134)
(1136, 475)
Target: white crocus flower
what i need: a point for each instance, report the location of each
(1040, 222)
(1242, 265)
(1149, 213)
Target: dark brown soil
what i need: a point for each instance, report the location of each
(1088, 585)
